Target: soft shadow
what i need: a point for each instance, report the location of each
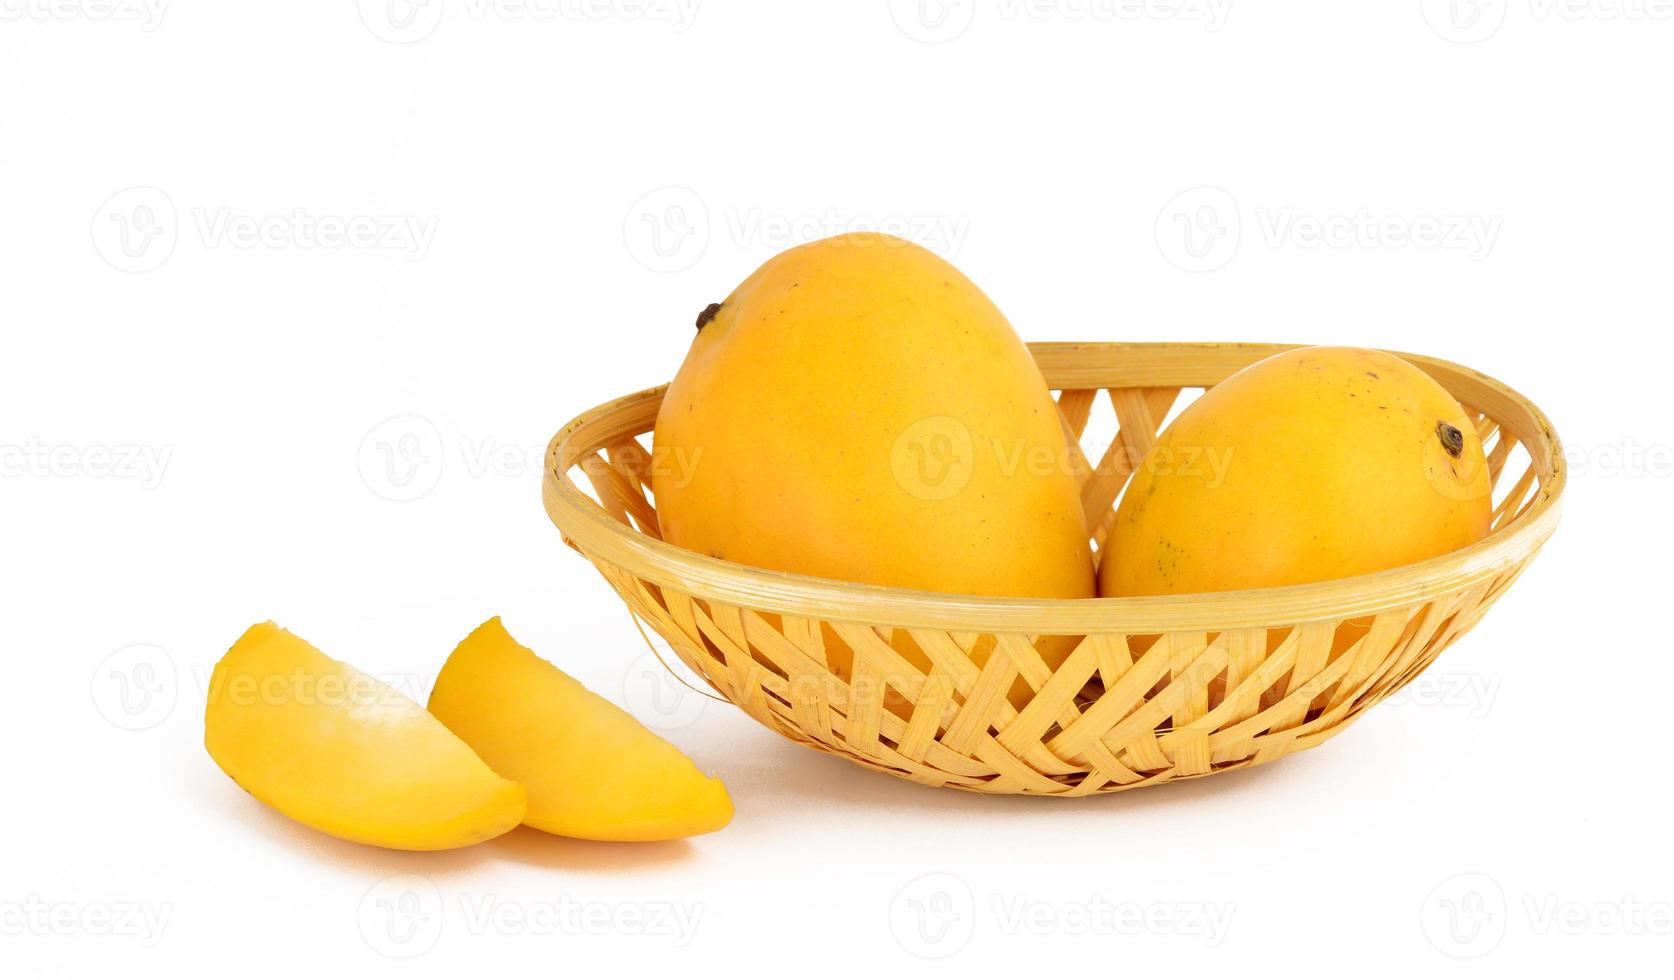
(527, 845)
(787, 776)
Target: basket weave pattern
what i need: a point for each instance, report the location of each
(1155, 689)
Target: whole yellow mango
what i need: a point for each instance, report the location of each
(857, 409)
(1313, 464)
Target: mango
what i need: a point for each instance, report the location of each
(1312, 464)
(344, 753)
(592, 771)
(857, 409)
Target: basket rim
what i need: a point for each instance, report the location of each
(597, 535)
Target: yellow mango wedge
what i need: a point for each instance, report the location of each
(344, 753)
(592, 770)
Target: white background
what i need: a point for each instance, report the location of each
(199, 374)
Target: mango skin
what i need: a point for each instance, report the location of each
(1313, 464)
(592, 771)
(857, 409)
(343, 753)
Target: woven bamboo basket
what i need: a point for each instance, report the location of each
(1156, 688)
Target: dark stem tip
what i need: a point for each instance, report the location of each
(707, 315)
(1452, 439)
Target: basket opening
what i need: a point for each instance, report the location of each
(1113, 428)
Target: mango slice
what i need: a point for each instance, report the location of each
(344, 753)
(592, 771)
